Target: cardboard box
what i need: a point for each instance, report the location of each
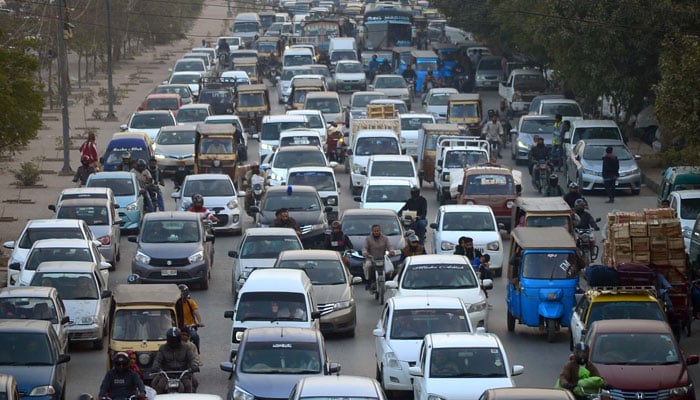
(638, 229)
(620, 231)
(675, 243)
(640, 244)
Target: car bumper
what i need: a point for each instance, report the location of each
(595, 182)
(84, 333)
(520, 106)
(170, 164)
(228, 221)
(397, 379)
(192, 273)
(350, 86)
(358, 180)
(130, 219)
(491, 84)
(479, 318)
(339, 321)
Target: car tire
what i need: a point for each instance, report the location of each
(119, 254)
(204, 285)
(636, 191)
(511, 322)
(571, 340)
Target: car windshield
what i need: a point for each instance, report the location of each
(256, 99)
(314, 121)
(489, 184)
(120, 187)
(170, 231)
(414, 324)
(162, 104)
(540, 221)
(538, 126)
(414, 123)
(565, 109)
(389, 82)
(69, 285)
(327, 105)
(151, 121)
(42, 254)
(426, 66)
(322, 181)
(529, 82)
(321, 272)
(690, 208)
(25, 349)
(464, 158)
(289, 73)
(479, 362)
(439, 99)
(298, 201)
(180, 136)
(31, 235)
(634, 349)
(361, 225)
(141, 324)
(338, 55)
(464, 110)
(266, 306)
(209, 188)
(42, 308)
(601, 310)
(361, 100)
(268, 246)
(439, 276)
(468, 221)
(218, 145)
(544, 265)
(289, 159)
(183, 91)
(245, 27)
(92, 215)
(595, 133)
(271, 130)
(490, 63)
(114, 156)
(392, 169)
(189, 66)
(597, 152)
(186, 78)
(349, 68)
(380, 193)
(298, 59)
(281, 358)
(367, 146)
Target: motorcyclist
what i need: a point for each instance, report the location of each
(504, 116)
(412, 248)
(429, 82)
(157, 175)
(198, 207)
(143, 175)
(573, 195)
(466, 248)
(224, 49)
(585, 219)
(418, 204)
(493, 132)
(334, 135)
(337, 240)
(577, 369)
(84, 171)
(255, 175)
(126, 162)
(537, 153)
(121, 382)
(173, 356)
(188, 313)
(283, 220)
(553, 189)
(385, 67)
(373, 67)
(181, 172)
(409, 74)
(376, 245)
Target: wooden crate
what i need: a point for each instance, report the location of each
(659, 257)
(640, 244)
(619, 231)
(638, 229)
(671, 228)
(641, 257)
(654, 228)
(381, 111)
(675, 243)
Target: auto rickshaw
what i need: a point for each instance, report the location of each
(542, 278)
(421, 32)
(250, 66)
(215, 149)
(401, 58)
(539, 212)
(427, 146)
(300, 87)
(465, 110)
(447, 53)
(252, 103)
(424, 61)
(242, 53)
(140, 315)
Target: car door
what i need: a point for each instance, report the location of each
(578, 319)
(61, 370)
(114, 228)
(62, 324)
(419, 392)
(437, 235)
(380, 342)
(103, 302)
(573, 164)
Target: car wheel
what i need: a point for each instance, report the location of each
(571, 340)
(511, 322)
(636, 191)
(205, 282)
(98, 344)
(119, 254)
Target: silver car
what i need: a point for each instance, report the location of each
(336, 387)
(523, 137)
(585, 166)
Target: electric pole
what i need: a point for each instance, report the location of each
(63, 85)
(110, 86)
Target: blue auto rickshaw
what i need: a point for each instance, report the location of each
(401, 58)
(542, 278)
(381, 56)
(424, 61)
(447, 54)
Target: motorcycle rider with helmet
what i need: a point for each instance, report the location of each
(539, 152)
(573, 195)
(173, 356)
(198, 207)
(553, 189)
(578, 369)
(337, 240)
(418, 204)
(255, 175)
(584, 220)
(121, 382)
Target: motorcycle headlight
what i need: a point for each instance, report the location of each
(493, 246)
(332, 201)
(90, 320)
(196, 257)
(133, 206)
(341, 305)
(240, 394)
(447, 246)
(392, 361)
(232, 204)
(477, 307)
(43, 391)
(142, 258)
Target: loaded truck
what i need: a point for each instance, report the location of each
(521, 87)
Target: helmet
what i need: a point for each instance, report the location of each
(580, 203)
(184, 290)
(120, 359)
(172, 336)
(573, 185)
(415, 190)
(335, 224)
(197, 200)
(553, 180)
(141, 164)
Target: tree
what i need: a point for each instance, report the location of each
(21, 95)
(677, 101)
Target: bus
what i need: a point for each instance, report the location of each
(387, 25)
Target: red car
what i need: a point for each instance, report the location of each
(490, 186)
(162, 101)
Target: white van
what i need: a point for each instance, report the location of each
(343, 48)
(247, 26)
(297, 56)
(274, 297)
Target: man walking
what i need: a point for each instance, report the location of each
(611, 171)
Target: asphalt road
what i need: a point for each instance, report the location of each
(526, 346)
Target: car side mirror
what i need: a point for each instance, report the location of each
(14, 266)
(357, 198)
(333, 164)
(132, 239)
(459, 188)
(415, 371)
(255, 136)
(370, 87)
(175, 195)
(501, 226)
(578, 158)
(106, 294)
(228, 314)
(349, 151)
(637, 157)
(378, 332)
(487, 284)
(209, 238)
(226, 366)
(105, 266)
(356, 280)
(52, 207)
(333, 368)
(434, 225)
(692, 359)
(315, 314)
(517, 370)
(63, 358)
(65, 320)
(233, 254)
(123, 127)
(391, 285)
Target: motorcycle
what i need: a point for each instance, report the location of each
(174, 379)
(335, 144)
(541, 172)
(256, 192)
(409, 220)
(585, 242)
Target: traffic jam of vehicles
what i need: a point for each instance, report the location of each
(410, 123)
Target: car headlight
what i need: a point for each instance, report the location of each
(142, 258)
(477, 307)
(470, 202)
(133, 206)
(392, 361)
(159, 156)
(445, 246)
(232, 204)
(435, 397)
(43, 391)
(681, 390)
(480, 78)
(446, 176)
(510, 203)
(332, 201)
(266, 146)
(196, 257)
(629, 172)
(342, 305)
(87, 320)
(144, 358)
(104, 240)
(493, 246)
(357, 168)
(591, 172)
(240, 394)
(522, 145)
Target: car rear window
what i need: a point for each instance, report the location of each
(31, 235)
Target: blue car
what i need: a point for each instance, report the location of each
(126, 192)
(31, 353)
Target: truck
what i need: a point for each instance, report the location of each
(453, 154)
(521, 87)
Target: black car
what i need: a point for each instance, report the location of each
(173, 246)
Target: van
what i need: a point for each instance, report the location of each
(297, 56)
(678, 178)
(248, 27)
(272, 125)
(273, 297)
(137, 144)
(343, 48)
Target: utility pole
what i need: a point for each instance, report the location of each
(110, 87)
(63, 85)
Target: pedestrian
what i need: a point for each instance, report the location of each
(611, 171)
(89, 149)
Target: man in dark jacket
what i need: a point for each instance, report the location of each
(283, 220)
(573, 195)
(121, 382)
(173, 356)
(418, 204)
(611, 170)
(466, 248)
(337, 240)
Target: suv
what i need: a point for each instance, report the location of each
(173, 246)
(279, 355)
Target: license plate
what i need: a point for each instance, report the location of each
(347, 87)
(168, 272)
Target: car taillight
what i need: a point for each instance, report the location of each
(104, 240)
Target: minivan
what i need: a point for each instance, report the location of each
(274, 297)
(137, 144)
(297, 56)
(247, 26)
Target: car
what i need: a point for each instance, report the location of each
(149, 121)
(190, 79)
(102, 219)
(523, 136)
(272, 125)
(590, 129)
(8, 387)
(328, 103)
(349, 76)
(294, 156)
(325, 73)
(315, 121)
(461, 366)
(323, 179)
(62, 250)
(332, 287)
(126, 190)
(393, 167)
(446, 275)
(36, 302)
(357, 108)
(193, 113)
(357, 224)
(385, 193)
(173, 246)
(535, 103)
(41, 373)
(138, 145)
(189, 65)
(524, 393)
(393, 86)
(300, 137)
(210, 52)
(220, 197)
(175, 144)
(200, 56)
(85, 294)
(240, 77)
(38, 229)
(400, 330)
(183, 90)
(585, 165)
(219, 97)
(162, 101)
(411, 124)
(284, 81)
(475, 221)
(489, 73)
(279, 29)
(88, 193)
(435, 101)
(567, 108)
(335, 387)
(686, 204)
(613, 303)
(304, 205)
(640, 356)
(259, 248)
(279, 355)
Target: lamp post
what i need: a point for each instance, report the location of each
(63, 86)
(110, 86)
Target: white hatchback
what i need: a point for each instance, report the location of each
(220, 197)
(385, 194)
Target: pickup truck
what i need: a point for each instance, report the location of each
(453, 154)
(521, 87)
(366, 143)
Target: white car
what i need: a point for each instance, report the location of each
(400, 331)
(475, 221)
(284, 81)
(315, 121)
(190, 79)
(193, 113)
(461, 366)
(385, 194)
(444, 275)
(149, 121)
(435, 101)
(323, 179)
(686, 204)
(62, 250)
(174, 144)
(393, 167)
(220, 197)
(300, 137)
(349, 76)
(393, 86)
(410, 125)
(294, 156)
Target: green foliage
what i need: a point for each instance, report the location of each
(677, 102)
(28, 174)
